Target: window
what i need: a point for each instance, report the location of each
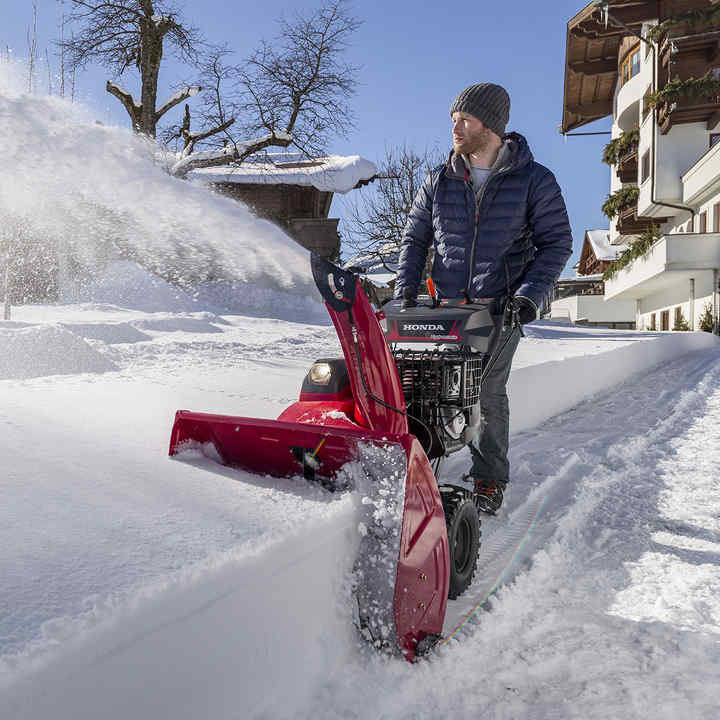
(703, 222)
(716, 217)
(689, 227)
(714, 137)
(665, 320)
(678, 316)
(653, 322)
(645, 167)
(631, 64)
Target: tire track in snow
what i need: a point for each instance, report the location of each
(504, 534)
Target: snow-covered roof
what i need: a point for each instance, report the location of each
(582, 278)
(381, 279)
(381, 260)
(333, 173)
(600, 243)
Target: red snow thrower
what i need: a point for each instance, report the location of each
(376, 420)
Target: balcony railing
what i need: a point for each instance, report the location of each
(688, 54)
(627, 166)
(628, 222)
(687, 110)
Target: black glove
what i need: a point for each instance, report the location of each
(409, 300)
(526, 309)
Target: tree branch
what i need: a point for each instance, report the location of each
(134, 109)
(237, 152)
(176, 99)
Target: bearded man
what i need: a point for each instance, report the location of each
(499, 227)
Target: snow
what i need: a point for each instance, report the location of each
(135, 585)
(600, 243)
(96, 191)
(334, 173)
(27, 352)
(139, 582)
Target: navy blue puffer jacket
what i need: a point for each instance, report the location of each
(517, 232)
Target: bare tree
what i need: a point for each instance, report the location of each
(377, 215)
(31, 36)
(61, 30)
(295, 90)
(120, 34)
(213, 112)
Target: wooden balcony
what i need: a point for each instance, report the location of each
(627, 166)
(699, 47)
(688, 110)
(629, 223)
(686, 54)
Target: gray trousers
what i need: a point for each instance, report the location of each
(489, 448)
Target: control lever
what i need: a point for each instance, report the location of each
(433, 292)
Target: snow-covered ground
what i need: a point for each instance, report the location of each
(135, 585)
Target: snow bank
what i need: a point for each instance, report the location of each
(108, 333)
(542, 390)
(28, 352)
(243, 639)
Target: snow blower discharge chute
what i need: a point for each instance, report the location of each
(405, 395)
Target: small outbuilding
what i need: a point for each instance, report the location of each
(597, 253)
(293, 191)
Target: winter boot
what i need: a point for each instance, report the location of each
(488, 495)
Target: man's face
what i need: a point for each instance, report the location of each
(469, 134)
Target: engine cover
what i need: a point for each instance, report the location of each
(450, 322)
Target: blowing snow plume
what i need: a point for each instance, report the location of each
(77, 196)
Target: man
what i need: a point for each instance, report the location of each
(499, 228)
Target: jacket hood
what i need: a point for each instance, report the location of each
(514, 153)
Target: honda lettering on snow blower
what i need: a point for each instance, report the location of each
(393, 411)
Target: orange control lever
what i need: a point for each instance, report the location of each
(432, 291)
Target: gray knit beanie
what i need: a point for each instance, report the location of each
(487, 102)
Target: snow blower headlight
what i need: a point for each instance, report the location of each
(321, 373)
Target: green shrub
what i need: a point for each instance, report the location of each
(620, 145)
(634, 250)
(707, 86)
(620, 200)
(690, 19)
(705, 323)
(681, 324)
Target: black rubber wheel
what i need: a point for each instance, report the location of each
(463, 530)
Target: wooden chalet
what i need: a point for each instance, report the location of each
(597, 254)
(597, 53)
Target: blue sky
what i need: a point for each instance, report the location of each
(414, 61)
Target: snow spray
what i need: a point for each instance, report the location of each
(77, 195)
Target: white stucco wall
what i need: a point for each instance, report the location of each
(679, 294)
(593, 308)
(676, 152)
